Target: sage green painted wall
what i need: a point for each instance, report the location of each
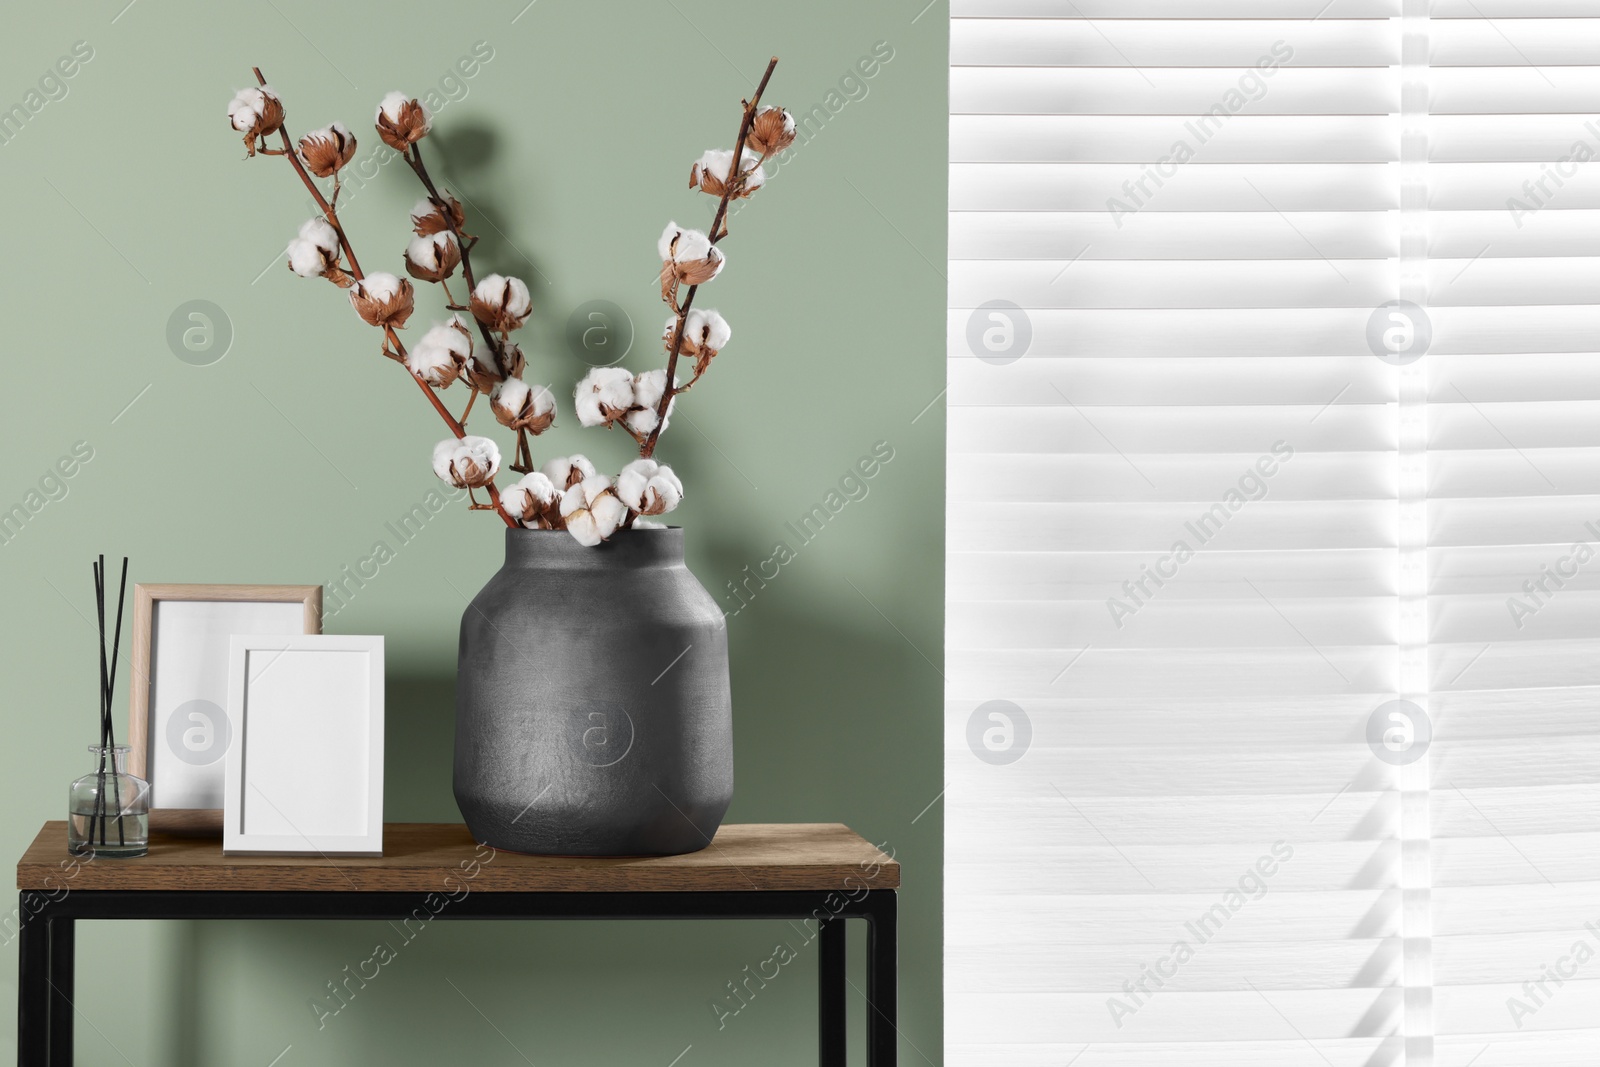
(128, 196)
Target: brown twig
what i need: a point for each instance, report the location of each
(393, 339)
(414, 160)
(718, 232)
(524, 460)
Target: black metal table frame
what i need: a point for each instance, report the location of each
(46, 941)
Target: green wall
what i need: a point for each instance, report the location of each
(281, 462)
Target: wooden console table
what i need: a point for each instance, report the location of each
(821, 871)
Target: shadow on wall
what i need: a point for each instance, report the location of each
(462, 161)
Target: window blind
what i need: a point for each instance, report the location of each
(1272, 389)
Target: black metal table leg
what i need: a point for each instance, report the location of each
(883, 979)
(33, 983)
(63, 940)
(831, 993)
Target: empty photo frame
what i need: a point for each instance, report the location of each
(178, 728)
(304, 775)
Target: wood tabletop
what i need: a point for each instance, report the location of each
(420, 856)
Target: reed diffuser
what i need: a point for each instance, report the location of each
(108, 810)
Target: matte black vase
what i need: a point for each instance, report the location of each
(593, 714)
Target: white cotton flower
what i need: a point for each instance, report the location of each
(255, 113)
(324, 151)
(316, 251)
(647, 389)
(592, 511)
(649, 488)
(710, 172)
(501, 303)
(687, 258)
(567, 471)
(381, 285)
(533, 501)
(320, 232)
(392, 106)
(433, 258)
(433, 365)
(604, 395)
(440, 357)
(646, 524)
(772, 131)
(678, 243)
(306, 259)
(466, 463)
(249, 106)
(707, 329)
(402, 121)
(519, 406)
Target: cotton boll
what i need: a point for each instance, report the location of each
(306, 259)
(466, 463)
(772, 131)
(321, 233)
(380, 285)
(648, 387)
(244, 110)
(649, 488)
(391, 105)
(255, 112)
(452, 337)
(442, 355)
(533, 501)
(515, 361)
(708, 329)
(591, 510)
(640, 421)
(433, 258)
(710, 173)
(634, 477)
(583, 527)
(609, 514)
(324, 151)
(426, 218)
(402, 121)
(677, 268)
(604, 395)
(508, 399)
(647, 390)
(669, 240)
(646, 524)
(517, 406)
(679, 244)
(433, 363)
(382, 299)
(567, 471)
(501, 303)
(687, 258)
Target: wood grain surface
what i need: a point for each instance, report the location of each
(420, 856)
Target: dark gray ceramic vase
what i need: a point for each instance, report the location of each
(593, 715)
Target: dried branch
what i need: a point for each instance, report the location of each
(523, 462)
(393, 346)
(719, 230)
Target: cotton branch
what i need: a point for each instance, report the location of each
(719, 230)
(524, 458)
(392, 346)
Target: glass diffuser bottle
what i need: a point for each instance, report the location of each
(108, 809)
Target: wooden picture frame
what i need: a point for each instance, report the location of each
(201, 620)
(304, 774)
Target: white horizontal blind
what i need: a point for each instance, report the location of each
(1144, 305)
(1514, 452)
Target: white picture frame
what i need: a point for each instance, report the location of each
(304, 776)
(178, 729)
